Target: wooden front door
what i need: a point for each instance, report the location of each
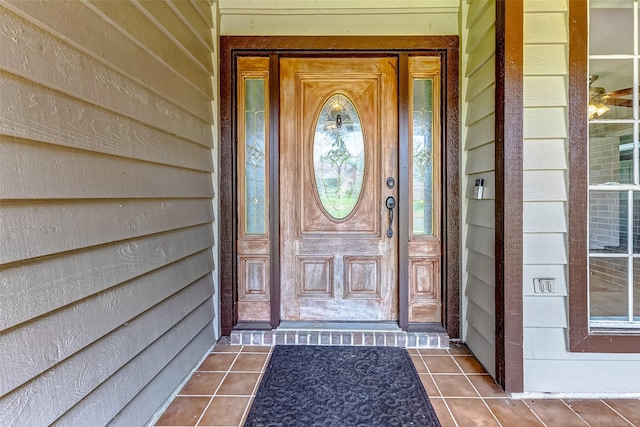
(284, 254)
(338, 158)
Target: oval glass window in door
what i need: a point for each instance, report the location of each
(338, 156)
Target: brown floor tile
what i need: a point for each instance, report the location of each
(217, 362)
(554, 412)
(203, 383)
(513, 412)
(471, 412)
(238, 384)
(225, 411)
(419, 364)
(629, 408)
(458, 349)
(183, 411)
(412, 351)
(249, 362)
(443, 413)
(244, 418)
(486, 386)
(596, 413)
(256, 349)
(454, 386)
(433, 352)
(442, 365)
(429, 385)
(230, 405)
(226, 348)
(469, 365)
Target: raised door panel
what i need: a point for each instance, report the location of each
(337, 262)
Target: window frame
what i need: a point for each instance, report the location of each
(581, 337)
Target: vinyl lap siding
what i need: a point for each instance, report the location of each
(544, 177)
(549, 367)
(106, 207)
(337, 17)
(479, 160)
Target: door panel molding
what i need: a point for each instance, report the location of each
(401, 46)
(368, 96)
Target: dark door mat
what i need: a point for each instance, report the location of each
(341, 386)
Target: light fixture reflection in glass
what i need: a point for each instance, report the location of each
(339, 158)
(597, 99)
(597, 108)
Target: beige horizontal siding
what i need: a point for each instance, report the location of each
(544, 217)
(484, 77)
(59, 120)
(548, 27)
(43, 171)
(545, 6)
(481, 132)
(481, 240)
(481, 159)
(599, 377)
(546, 60)
(482, 297)
(190, 338)
(549, 367)
(31, 289)
(57, 336)
(106, 207)
(180, 31)
(99, 85)
(544, 154)
(484, 348)
(81, 27)
(151, 397)
(373, 17)
(124, 219)
(479, 163)
(545, 91)
(39, 402)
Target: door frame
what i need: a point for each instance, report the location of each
(403, 46)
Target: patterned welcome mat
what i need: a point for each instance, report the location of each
(341, 386)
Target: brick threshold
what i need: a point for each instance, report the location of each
(436, 340)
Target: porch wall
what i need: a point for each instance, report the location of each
(478, 136)
(548, 366)
(106, 207)
(338, 18)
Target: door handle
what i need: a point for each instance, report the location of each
(390, 204)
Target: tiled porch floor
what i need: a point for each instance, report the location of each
(221, 390)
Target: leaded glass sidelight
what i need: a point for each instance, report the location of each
(422, 153)
(255, 159)
(338, 156)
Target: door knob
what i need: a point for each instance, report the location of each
(390, 204)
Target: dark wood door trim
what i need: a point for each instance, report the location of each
(446, 46)
(274, 187)
(403, 190)
(508, 153)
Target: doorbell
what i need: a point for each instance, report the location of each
(479, 188)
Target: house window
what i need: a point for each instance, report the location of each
(614, 172)
(604, 176)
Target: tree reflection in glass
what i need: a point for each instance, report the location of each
(338, 156)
